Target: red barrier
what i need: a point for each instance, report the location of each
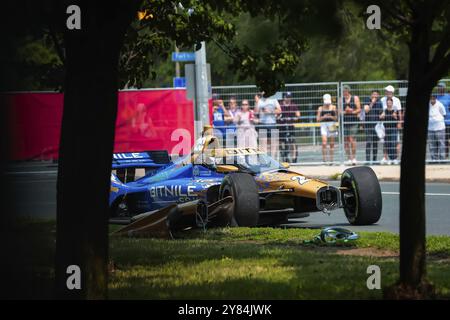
(34, 124)
(145, 121)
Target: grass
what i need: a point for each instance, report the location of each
(238, 263)
(295, 236)
(28, 251)
(260, 263)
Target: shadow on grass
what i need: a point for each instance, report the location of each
(210, 270)
(239, 263)
(30, 245)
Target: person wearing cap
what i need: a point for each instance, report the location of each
(351, 107)
(327, 116)
(268, 109)
(444, 97)
(436, 129)
(289, 115)
(397, 106)
(372, 109)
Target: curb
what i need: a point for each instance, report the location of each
(437, 175)
(384, 179)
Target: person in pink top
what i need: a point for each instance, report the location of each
(246, 133)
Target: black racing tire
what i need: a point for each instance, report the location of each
(242, 187)
(365, 207)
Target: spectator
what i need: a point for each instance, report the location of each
(268, 109)
(289, 115)
(444, 98)
(397, 105)
(436, 129)
(257, 97)
(255, 110)
(390, 119)
(246, 133)
(352, 108)
(372, 110)
(327, 116)
(229, 122)
(219, 113)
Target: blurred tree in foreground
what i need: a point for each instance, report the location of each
(424, 27)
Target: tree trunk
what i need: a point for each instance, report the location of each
(86, 145)
(412, 282)
(412, 186)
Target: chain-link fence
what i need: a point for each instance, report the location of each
(372, 136)
(294, 135)
(362, 122)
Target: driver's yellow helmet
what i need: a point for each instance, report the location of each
(207, 130)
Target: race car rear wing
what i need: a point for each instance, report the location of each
(143, 159)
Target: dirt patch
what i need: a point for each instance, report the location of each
(368, 252)
(439, 257)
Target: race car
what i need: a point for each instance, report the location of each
(216, 187)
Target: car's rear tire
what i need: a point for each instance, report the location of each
(362, 201)
(243, 189)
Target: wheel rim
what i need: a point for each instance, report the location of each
(351, 208)
(227, 192)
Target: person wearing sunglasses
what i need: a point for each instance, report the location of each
(245, 121)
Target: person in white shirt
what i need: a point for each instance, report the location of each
(436, 129)
(327, 116)
(389, 93)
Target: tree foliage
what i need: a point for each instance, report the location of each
(149, 40)
(245, 41)
(188, 22)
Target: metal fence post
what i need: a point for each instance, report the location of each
(341, 124)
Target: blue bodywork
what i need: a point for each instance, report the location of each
(164, 184)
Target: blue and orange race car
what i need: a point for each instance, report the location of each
(214, 186)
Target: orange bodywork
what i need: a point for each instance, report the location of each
(300, 185)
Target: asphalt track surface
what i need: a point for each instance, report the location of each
(36, 187)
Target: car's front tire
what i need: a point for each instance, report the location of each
(362, 201)
(243, 189)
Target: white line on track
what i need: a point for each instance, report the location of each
(427, 194)
(33, 172)
(34, 181)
